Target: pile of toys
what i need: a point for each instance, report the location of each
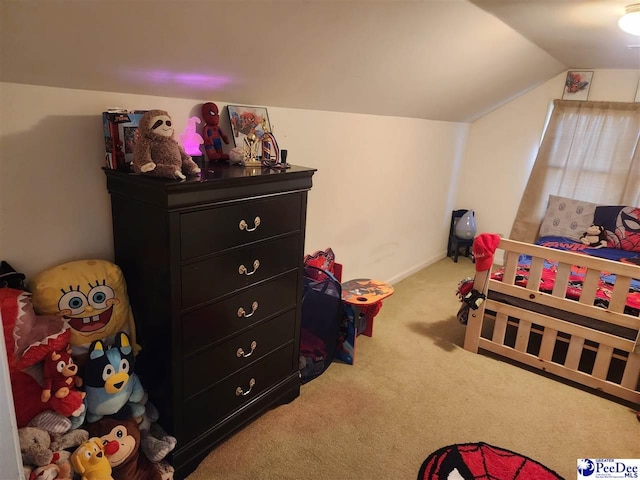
(81, 410)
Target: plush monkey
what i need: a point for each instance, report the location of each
(121, 440)
(157, 153)
(594, 237)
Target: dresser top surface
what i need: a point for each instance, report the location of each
(217, 181)
(218, 173)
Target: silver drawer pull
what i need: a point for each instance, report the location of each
(240, 392)
(243, 225)
(240, 352)
(242, 270)
(243, 313)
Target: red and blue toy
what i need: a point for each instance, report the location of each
(212, 133)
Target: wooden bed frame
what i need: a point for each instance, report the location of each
(593, 357)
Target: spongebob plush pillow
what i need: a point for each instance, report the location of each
(92, 295)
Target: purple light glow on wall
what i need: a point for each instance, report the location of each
(196, 80)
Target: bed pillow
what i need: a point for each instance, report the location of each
(622, 226)
(566, 217)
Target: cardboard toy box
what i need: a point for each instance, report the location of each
(120, 136)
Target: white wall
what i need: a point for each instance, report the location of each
(379, 198)
(502, 147)
(380, 195)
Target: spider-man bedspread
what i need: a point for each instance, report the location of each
(576, 278)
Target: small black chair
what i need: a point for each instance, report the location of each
(455, 243)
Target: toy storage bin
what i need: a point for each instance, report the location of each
(321, 315)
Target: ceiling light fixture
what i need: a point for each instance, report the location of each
(630, 21)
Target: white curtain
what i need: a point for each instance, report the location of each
(590, 152)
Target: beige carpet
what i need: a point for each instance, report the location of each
(413, 390)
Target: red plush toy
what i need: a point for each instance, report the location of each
(59, 374)
(28, 403)
(60, 378)
(212, 133)
(56, 470)
(29, 339)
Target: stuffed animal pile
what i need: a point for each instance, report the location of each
(82, 411)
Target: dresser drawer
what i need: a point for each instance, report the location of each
(209, 279)
(236, 353)
(219, 228)
(208, 325)
(205, 410)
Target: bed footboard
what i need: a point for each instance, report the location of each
(573, 339)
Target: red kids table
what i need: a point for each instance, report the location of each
(365, 297)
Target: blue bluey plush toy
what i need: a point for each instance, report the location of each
(110, 382)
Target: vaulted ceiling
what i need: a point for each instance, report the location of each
(451, 60)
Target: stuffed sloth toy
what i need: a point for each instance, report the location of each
(594, 237)
(157, 153)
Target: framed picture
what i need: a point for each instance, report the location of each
(246, 120)
(577, 85)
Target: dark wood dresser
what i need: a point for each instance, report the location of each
(214, 274)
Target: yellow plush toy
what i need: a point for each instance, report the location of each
(92, 295)
(90, 461)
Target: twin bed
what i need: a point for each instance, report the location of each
(565, 308)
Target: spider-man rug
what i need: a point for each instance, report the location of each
(481, 461)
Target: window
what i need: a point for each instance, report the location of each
(589, 152)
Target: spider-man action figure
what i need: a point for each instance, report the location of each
(212, 134)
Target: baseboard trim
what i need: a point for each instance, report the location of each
(407, 273)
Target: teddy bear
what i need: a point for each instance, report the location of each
(71, 439)
(44, 456)
(595, 236)
(157, 153)
(35, 446)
